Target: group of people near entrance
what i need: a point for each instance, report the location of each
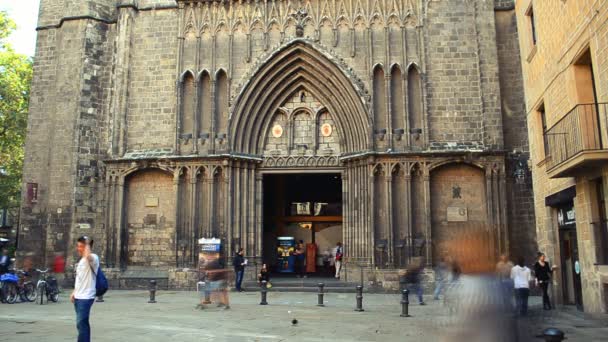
(517, 279)
(330, 259)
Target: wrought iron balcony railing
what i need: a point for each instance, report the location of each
(576, 139)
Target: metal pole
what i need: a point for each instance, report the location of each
(359, 299)
(263, 292)
(152, 289)
(320, 295)
(405, 302)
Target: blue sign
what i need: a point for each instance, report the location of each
(286, 261)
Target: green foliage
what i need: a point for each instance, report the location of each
(15, 79)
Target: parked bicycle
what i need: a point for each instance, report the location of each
(16, 286)
(47, 287)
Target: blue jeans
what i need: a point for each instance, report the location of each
(83, 310)
(438, 288)
(416, 288)
(239, 279)
(521, 296)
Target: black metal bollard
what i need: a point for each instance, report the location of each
(359, 298)
(405, 302)
(152, 289)
(263, 292)
(100, 299)
(320, 301)
(553, 335)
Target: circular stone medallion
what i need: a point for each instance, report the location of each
(326, 130)
(277, 131)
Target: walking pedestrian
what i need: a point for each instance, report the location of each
(218, 282)
(83, 295)
(503, 273)
(440, 277)
(338, 255)
(413, 278)
(543, 272)
(521, 276)
(300, 255)
(5, 261)
(239, 264)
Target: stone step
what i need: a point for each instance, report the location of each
(304, 289)
(303, 284)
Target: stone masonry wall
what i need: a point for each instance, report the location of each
(549, 80)
(151, 214)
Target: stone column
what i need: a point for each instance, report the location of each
(122, 238)
(228, 200)
(211, 203)
(237, 202)
(389, 216)
(407, 207)
(503, 212)
(259, 228)
(108, 220)
(193, 233)
(427, 216)
(372, 213)
(178, 225)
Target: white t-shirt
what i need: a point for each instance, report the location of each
(85, 278)
(521, 277)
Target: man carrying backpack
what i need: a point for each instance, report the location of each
(85, 287)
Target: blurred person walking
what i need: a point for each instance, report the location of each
(413, 278)
(503, 273)
(521, 276)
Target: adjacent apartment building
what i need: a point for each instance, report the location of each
(564, 49)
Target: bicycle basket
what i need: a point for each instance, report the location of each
(9, 278)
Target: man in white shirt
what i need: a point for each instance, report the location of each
(521, 276)
(84, 288)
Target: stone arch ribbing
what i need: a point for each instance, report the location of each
(298, 65)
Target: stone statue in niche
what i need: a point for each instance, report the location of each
(456, 192)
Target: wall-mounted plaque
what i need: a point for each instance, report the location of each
(326, 130)
(151, 201)
(457, 214)
(277, 131)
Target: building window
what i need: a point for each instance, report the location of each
(530, 15)
(543, 122)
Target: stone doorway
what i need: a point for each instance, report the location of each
(304, 206)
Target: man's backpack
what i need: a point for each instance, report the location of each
(101, 283)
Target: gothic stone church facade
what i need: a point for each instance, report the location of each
(154, 123)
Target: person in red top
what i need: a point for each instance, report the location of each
(59, 267)
(59, 264)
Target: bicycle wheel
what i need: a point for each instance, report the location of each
(53, 296)
(41, 293)
(30, 292)
(11, 293)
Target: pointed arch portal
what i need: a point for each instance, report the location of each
(298, 66)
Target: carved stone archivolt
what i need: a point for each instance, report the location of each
(307, 161)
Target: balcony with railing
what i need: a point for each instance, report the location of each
(577, 142)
